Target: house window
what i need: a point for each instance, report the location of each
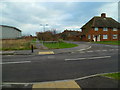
(114, 36)
(88, 36)
(105, 29)
(114, 29)
(105, 36)
(96, 29)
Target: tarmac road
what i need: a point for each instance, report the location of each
(66, 66)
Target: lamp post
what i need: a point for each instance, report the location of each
(44, 25)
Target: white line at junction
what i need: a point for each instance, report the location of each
(85, 49)
(80, 78)
(89, 51)
(81, 52)
(15, 62)
(104, 50)
(111, 49)
(87, 58)
(98, 50)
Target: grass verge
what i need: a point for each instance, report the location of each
(59, 45)
(113, 75)
(18, 44)
(109, 42)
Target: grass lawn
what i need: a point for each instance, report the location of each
(34, 40)
(113, 75)
(58, 45)
(109, 42)
(18, 44)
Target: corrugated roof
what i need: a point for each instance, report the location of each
(11, 27)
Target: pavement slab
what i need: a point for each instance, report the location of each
(47, 52)
(57, 84)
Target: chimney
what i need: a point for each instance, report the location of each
(103, 15)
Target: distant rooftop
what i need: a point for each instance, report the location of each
(11, 27)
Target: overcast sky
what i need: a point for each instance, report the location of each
(27, 16)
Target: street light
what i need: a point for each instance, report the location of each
(43, 26)
(43, 30)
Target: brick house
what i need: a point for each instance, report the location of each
(70, 35)
(101, 28)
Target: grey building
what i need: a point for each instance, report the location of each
(9, 32)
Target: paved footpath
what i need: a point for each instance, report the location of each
(94, 83)
(81, 46)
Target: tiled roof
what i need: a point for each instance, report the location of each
(102, 22)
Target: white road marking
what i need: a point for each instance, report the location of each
(87, 58)
(111, 49)
(75, 59)
(10, 55)
(81, 49)
(85, 77)
(85, 49)
(15, 62)
(51, 57)
(81, 52)
(98, 50)
(89, 47)
(104, 50)
(89, 51)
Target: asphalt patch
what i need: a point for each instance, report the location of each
(99, 83)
